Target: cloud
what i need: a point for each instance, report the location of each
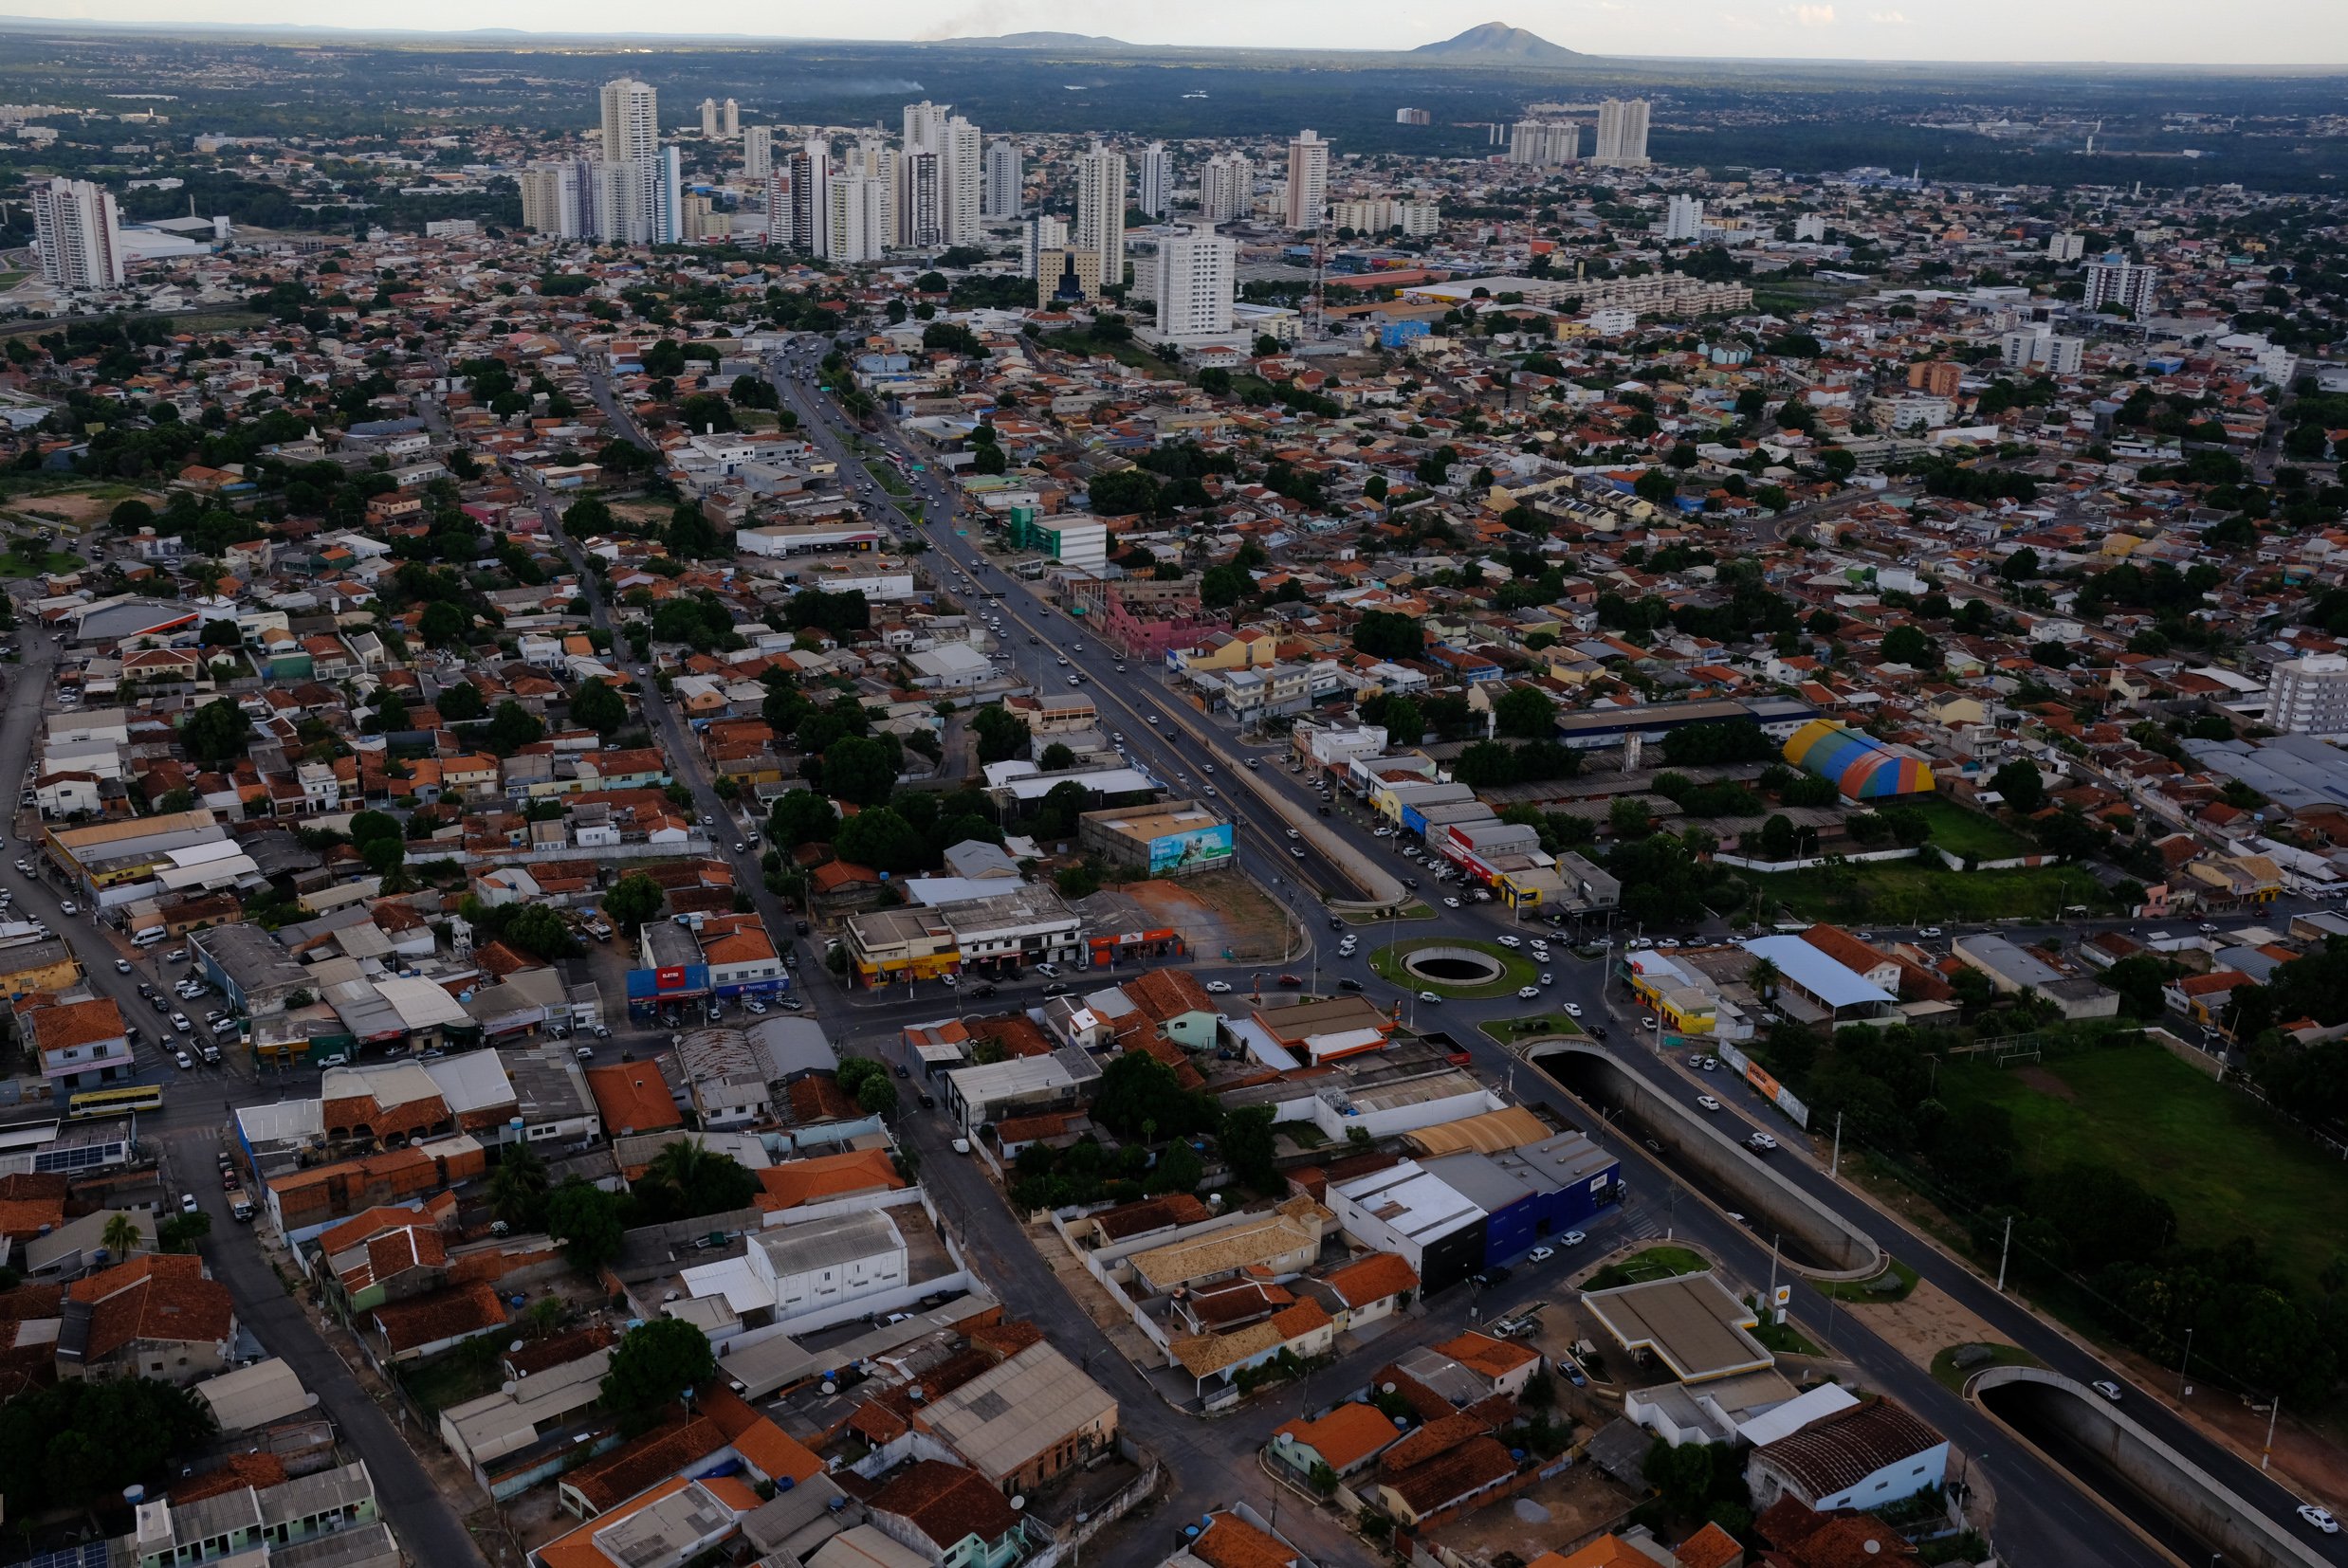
(1815, 16)
(1887, 18)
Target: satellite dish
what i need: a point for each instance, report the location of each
(831, 1388)
(1385, 1387)
(513, 1347)
(1018, 1503)
(507, 1389)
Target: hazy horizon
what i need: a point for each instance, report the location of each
(2274, 33)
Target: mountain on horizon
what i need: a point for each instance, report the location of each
(1498, 41)
(1044, 41)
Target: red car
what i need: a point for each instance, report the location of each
(1290, 982)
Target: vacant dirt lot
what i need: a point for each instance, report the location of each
(1221, 915)
(1928, 1322)
(1558, 1514)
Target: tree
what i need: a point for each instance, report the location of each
(443, 625)
(881, 839)
(180, 1232)
(1388, 634)
(2018, 784)
(1908, 645)
(216, 732)
(1248, 1147)
(2019, 567)
(587, 1222)
(76, 1445)
(802, 816)
(460, 701)
(1526, 712)
(1137, 1090)
(859, 768)
(1056, 757)
(687, 1179)
(1124, 493)
(512, 727)
(518, 1191)
(1657, 486)
(634, 898)
(597, 706)
(120, 1236)
(655, 1365)
(1000, 735)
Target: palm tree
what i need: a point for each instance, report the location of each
(1763, 976)
(122, 1235)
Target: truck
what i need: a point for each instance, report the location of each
(239, 1205)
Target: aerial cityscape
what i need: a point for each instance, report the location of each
(1272, 793)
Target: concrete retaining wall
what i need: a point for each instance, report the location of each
(1774, 1204)
(2196, 1498)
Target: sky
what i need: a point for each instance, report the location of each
(2190, 32)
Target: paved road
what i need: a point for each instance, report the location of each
(2041, 1520)
(188, 1133)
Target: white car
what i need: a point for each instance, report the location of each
(1708, 1102)
(70, 907)
(186, 1203)
(1512, 942)
(1528, 992)
(1217, 987)
(1929, 932)
(1428, 996)
(121, 966)
(1573, 1009)
(1451, 903)
(186, 1062)
(2109, 1390)
(1572, 1238)
(2319, 1519)
(1547, 979)
(1541, 1254)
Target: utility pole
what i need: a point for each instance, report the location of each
(2002, 1248)
(1834, 1171)
(2187, 1361)
(2269, 1452)
(1768, 1303)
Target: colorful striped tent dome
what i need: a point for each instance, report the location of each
(1860, 766)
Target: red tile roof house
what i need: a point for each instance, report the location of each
(946, 1512)
(154, 1317)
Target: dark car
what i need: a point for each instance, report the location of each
(1325, 810)
(1336, 922)
(987, 990)
(1055, 990)
(929, 1101)
(901, 1072)
(801, 928)
(1491, 1279)
(1349, 983)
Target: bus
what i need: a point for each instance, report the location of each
(115, 1102)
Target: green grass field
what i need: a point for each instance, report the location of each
(14, 565)
(1908, 892)
(2220, 1161)
(1965, 833)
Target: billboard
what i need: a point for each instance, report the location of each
(1174, 854)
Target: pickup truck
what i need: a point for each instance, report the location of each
(240, 1206)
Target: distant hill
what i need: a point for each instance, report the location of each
(1498, 41)
(1044, 41)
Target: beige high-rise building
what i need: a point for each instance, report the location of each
(858, 223)
(731, 119)
(1545, 143)
(1100, 210)
(757, 153)
(710, 118)
(1622, 134)
(550, 201)
(962, 176)
(631, 138)
(1226, 187)
(1307, 180)
(1043, 232)
(76, 232)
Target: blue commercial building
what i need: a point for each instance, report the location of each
(1534, 1193)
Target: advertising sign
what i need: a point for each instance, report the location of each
(1176, 852)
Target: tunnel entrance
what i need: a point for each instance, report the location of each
(1457, 966)
(1809, 1237)
(2034, 1410)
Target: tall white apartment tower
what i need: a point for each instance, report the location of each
(550, 199)
(872, 158)
(1197, 272)
(669, 226)
(729, 119)
(757, 153)
(1100, 210)
(857, 225)
(77, 231)
(2115, 279)
(961, 180)
(1005, 179)
(1307, 180)
(1153, 180)
(632, 137)
(1545, 143)
(1226, 187)
(1041, 233)
(1684, 219)
(709, 117)
(2067, 246)
(1622, 133)
(616, 193)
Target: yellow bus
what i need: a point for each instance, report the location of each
(130, 1097)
